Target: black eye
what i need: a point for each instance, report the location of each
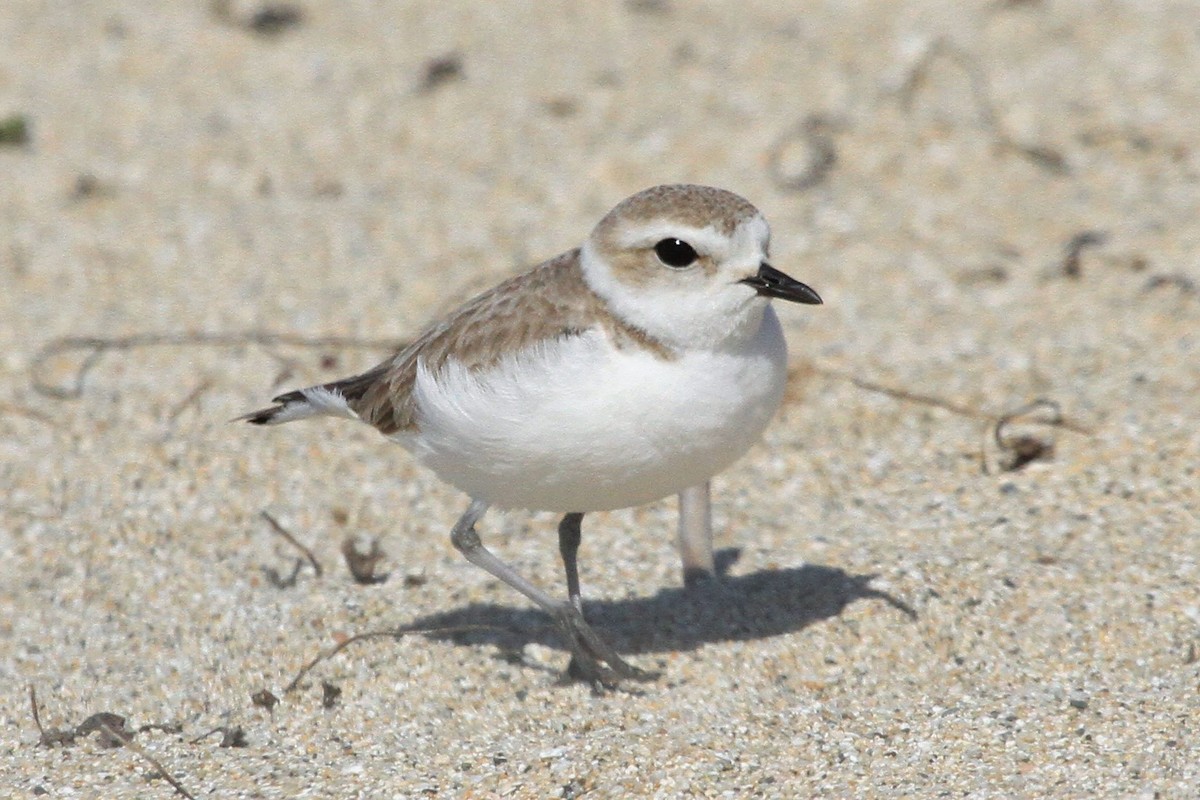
(675, 253)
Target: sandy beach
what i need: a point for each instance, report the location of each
(963, 562)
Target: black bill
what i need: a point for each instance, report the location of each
(770, 282)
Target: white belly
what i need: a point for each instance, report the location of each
(578, 425)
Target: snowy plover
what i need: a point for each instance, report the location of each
(624, 371)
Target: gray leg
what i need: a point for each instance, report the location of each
(569, 536)
(467, 541)
(695, 534)
(594, 658)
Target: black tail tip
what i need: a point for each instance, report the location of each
(260, 417)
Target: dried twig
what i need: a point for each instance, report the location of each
(191, 399)
(286, 534)
(230, 736)
(904, 394)
(37, 718)
(45, 737)
(113, 733)
(950, 405)
(395, 633)
(96, 346)
(1020, 450)
(123, 737)
(1056, 418)
(942, 48)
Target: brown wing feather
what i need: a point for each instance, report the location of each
(551, 300)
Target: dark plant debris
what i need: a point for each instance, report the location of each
(1023, 447)
(231, 736)
(1071, 266)
(275, 18)
(269, 19)
(1183, 283)
(1020, 451)
(561, 107)
(981, 276)
(574, 789)
(1043, 156)
(363, 565)
(1017, 449)
(330, 693)
(278, 579)
(440, 71)
(649, 6)
(113, 733)
(328, 187)
(87, 187)
(111, 727)
(14, 130)
(263, 698)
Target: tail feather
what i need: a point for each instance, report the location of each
(273, 415)
(335, 399)
(314, 401)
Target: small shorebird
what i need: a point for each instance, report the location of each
(629, 369)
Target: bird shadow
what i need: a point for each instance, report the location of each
(721, 609)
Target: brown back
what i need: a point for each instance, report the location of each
(550, 301)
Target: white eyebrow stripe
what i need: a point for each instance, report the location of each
(707, 240)
(751, 235)
(756, 230)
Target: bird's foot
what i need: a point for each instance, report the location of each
(593, 660)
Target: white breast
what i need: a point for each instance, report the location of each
(579, 425)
